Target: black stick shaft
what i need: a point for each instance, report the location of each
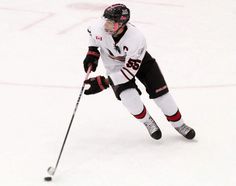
(72, 118)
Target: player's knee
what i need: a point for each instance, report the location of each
(118, 89)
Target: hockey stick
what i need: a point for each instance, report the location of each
(51, 170)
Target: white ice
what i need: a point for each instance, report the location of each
(42, 47)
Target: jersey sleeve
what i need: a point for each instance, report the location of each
(92, 41)
(134, 57)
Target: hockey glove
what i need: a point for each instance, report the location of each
(97, 84)
(91, 59)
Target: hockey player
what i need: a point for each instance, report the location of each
(122, 48)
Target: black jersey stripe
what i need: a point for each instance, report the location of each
(125, 74)
(128, 71)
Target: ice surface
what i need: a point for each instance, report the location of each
(42, 47)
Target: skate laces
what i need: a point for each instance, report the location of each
(183, 129)
(151, 125)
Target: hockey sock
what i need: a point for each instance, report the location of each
(169, 108)
(131, 100)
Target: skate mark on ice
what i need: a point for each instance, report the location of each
(46, 16)
(87, 6)
(74, 26)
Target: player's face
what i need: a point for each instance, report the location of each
(111, 27)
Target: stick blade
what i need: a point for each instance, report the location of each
(51, 171)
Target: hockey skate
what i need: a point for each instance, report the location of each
(186, 131)
(153, 129)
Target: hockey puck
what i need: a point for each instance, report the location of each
(48, 178)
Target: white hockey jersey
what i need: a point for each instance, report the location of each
(123, 59)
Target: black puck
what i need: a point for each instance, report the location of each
(48, 178)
